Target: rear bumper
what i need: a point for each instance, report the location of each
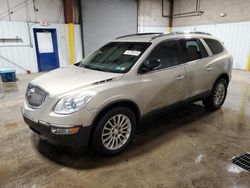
(78, 140)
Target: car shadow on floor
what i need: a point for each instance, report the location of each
(144, 141)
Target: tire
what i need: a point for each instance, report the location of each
(217, 96)
(114, 131)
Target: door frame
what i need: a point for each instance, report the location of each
(54, 43)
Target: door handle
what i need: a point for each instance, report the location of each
(180, 77)
(209, 68)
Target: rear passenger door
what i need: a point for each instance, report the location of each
(164, 85)
(198, 68)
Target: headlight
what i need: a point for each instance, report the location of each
(73, 103)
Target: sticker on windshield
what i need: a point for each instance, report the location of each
(120, 68)
(132, 52)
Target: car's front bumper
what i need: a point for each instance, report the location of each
(77, 140)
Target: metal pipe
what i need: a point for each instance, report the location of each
(194, 13)
(81, 25)
(34, 6)
(8, 46)
(14, 8)
(8, 6)
(137, 15)
(68, 11)
(197, 12)
(27, 10)
(187, 13)
(13, 63)
(29, 35)
(171, 10)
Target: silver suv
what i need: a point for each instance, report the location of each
(102, 100)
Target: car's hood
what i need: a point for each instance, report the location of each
(66, 79)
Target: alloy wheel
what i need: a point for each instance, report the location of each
(219, 94)
(116, 132)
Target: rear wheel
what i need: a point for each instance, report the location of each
(114, 131)
(218, 95)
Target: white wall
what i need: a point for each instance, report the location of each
(22, 10)
(236, 37)
(24, 54)
(236, 10)
(150, 12)
(150, 16)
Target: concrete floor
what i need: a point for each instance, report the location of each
(188, 147)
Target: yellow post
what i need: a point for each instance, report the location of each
(248, 63)
(71, 43)
(170, 29)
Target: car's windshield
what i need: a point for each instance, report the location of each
(117, 57)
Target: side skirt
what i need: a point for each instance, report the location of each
(161, 111)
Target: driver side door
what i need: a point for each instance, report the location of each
(164, 85)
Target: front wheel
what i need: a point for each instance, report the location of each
(217, 96)
(114, 131)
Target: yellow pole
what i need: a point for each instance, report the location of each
(170, 29)
(71, 43)
(248, 63)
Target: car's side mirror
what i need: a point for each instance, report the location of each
(150, 65)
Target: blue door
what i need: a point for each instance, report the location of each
(46, 49)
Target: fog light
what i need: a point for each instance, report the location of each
(64, 131)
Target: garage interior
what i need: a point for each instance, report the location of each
(184, 147)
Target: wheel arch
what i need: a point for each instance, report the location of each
(124, 103)
(224, 76)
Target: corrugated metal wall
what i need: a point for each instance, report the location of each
(148, 29)
(103, 21)
(236, 37)
(23, 53)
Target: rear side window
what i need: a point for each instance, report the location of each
(167, 53)
(192, 49)
(214, 45)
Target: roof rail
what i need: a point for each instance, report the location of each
(180, 32)
(192, 32)
(138, 34)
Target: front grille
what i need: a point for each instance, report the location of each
(35, 96)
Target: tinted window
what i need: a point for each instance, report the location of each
(214, 45)
(117, 57)
(167, 53)
(192, 49)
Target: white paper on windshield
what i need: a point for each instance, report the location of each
(120, 68)
(132, 52)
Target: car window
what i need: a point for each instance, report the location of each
(116, 57)
(214, 45)
(192, 49)
(167, 53)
